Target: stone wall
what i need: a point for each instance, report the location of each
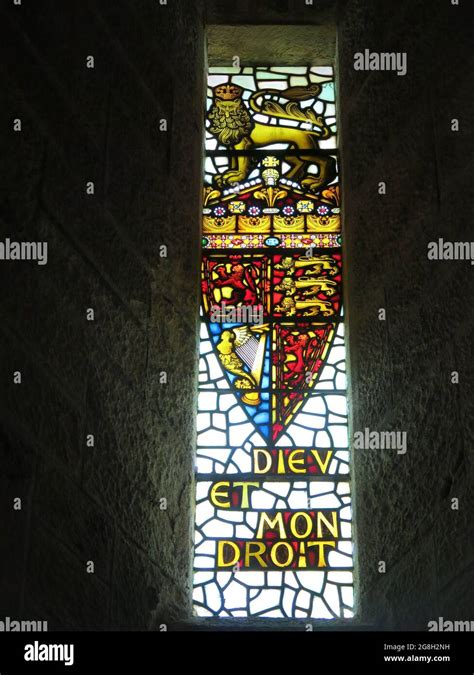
(100, 377)
(397, 129)
(104, 377)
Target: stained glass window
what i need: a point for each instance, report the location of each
(273, 535)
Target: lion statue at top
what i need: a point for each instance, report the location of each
(233, 126)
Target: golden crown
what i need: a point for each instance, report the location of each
(227, 92)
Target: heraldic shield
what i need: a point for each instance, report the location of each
(272, 317)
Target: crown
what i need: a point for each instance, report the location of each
(227, 92)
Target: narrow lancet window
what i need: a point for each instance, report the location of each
(273, 535)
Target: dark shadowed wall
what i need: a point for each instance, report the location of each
(100, 377)
(397, 129)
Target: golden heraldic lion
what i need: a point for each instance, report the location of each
(233, 126)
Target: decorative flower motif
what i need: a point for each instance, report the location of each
(322, 210)
(304, 206)
(219, 211)
(237, 207)
(254, 210)
(288, 210)
(272, 241)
